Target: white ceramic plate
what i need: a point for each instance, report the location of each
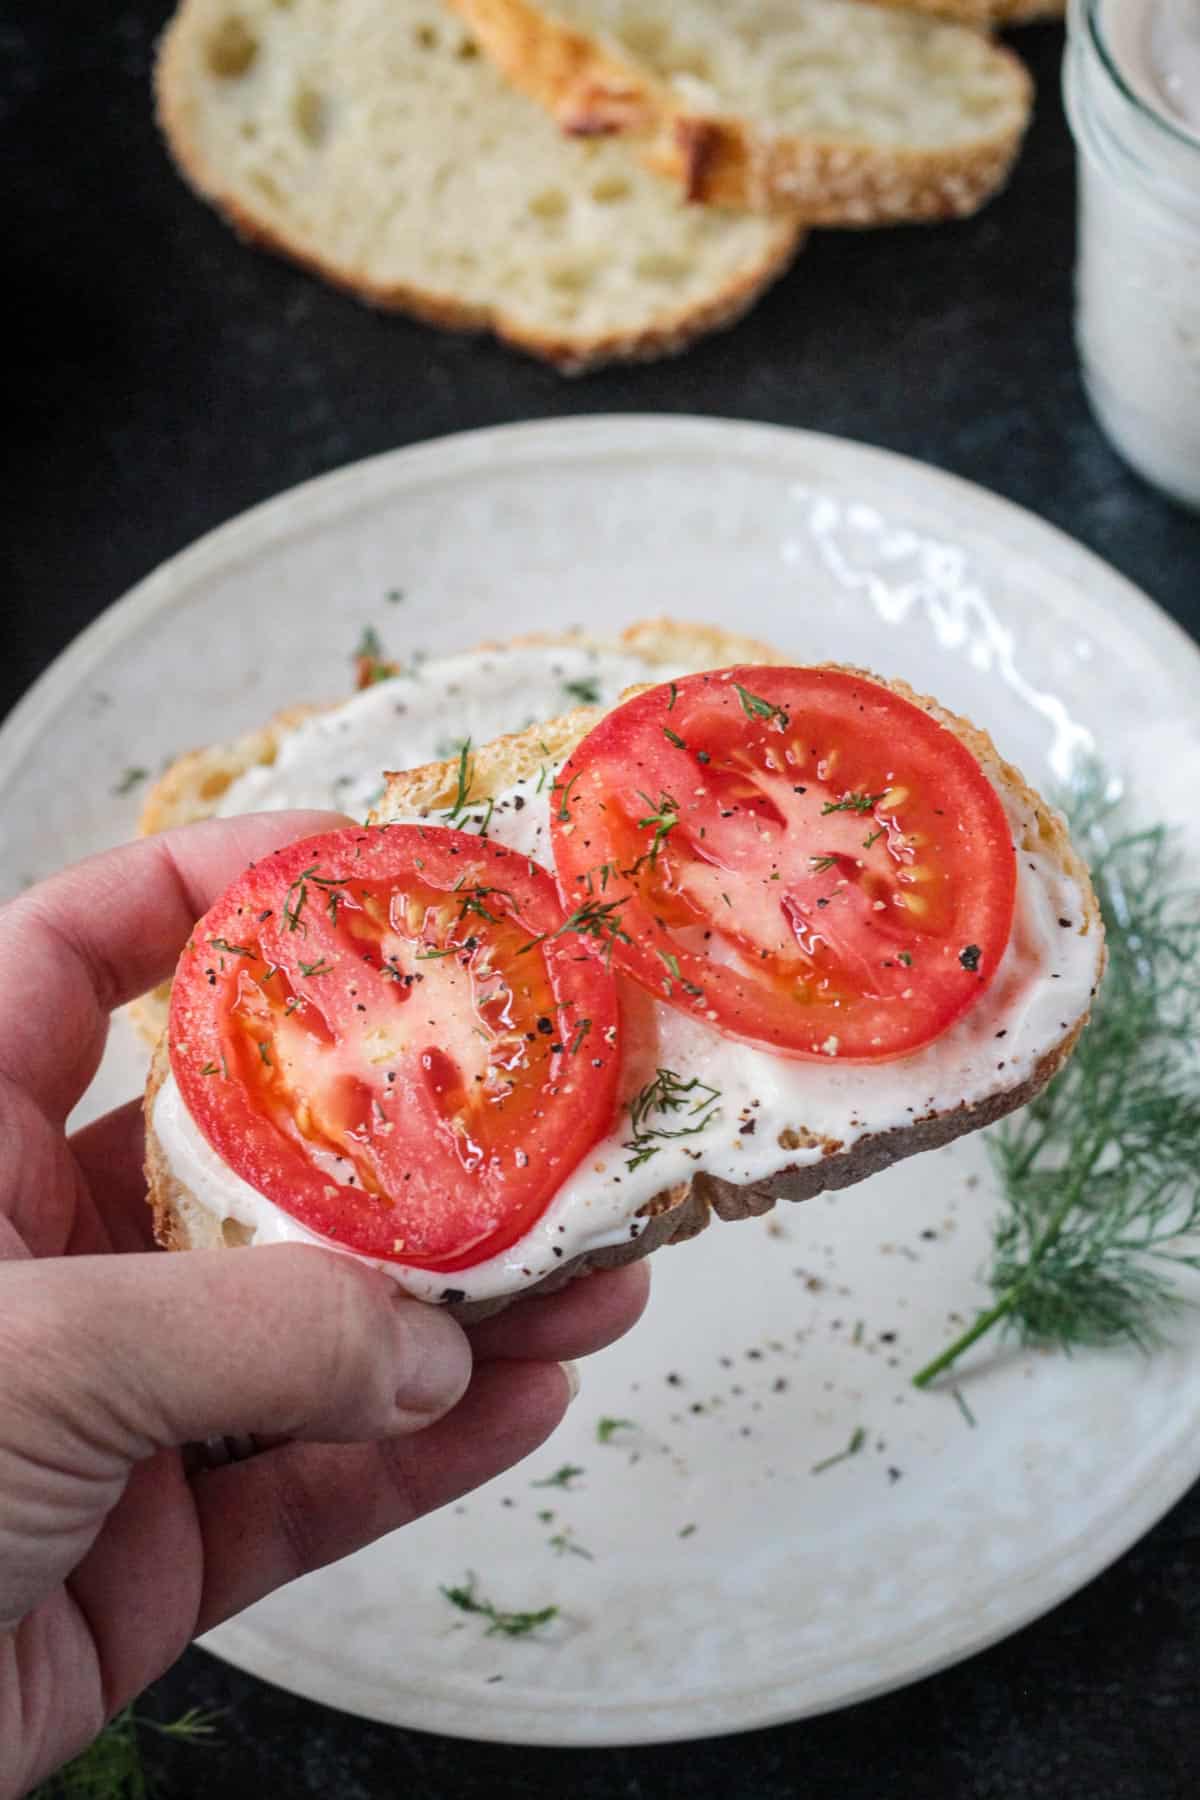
(725, 1583)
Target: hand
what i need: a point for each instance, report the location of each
(114, 1354)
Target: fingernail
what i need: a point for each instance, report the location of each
(571, 1371)
(433, 1362)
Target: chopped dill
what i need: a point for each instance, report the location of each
(502, 1623)
(596, 919)
(664, 818)
(755, 707)
(855, 803)
(668, 1094)
(463, 788)
(564, 794)
(563, 1543)
(857, 1439)
(220, 943)
(561, 1478)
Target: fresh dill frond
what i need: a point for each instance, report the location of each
(1101, 1173)
(111, 1767)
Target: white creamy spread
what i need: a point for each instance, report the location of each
(336, 758)
(1138, 271)
(771, 1114)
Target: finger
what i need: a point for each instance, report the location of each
(110, 1153)
(122, 1355)
(74, 947)
(280, 1515)
(580, 1319)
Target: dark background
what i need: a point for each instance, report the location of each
(164, 378)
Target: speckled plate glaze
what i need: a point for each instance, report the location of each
(709, 1575)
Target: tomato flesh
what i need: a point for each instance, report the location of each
(387, 1032)
(800, 857)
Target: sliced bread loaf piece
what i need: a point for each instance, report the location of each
(874, 1131)
(851, 113)
(372, 142)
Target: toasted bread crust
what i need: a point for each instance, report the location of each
(683, 1210)
(720, 159)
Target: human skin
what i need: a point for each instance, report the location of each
(372, 1408)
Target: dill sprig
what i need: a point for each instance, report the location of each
(111, 1768)
(668, 1094)
(1099, 1173)
(664, 818)
(463, 785)
(592, 919)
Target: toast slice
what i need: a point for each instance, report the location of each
(847, 112)
(682, 1210)
(372, 143)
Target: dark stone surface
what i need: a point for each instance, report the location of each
(164, 378)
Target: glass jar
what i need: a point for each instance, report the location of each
(1137, 317)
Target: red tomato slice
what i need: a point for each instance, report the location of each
(799, 857)
(389, 1034)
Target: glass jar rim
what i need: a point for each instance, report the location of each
(1177, 133)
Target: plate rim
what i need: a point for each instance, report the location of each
(264, 520)
(597, 437)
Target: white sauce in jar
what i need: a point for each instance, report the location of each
(1132, 83)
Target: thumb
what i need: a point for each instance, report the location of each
(129, 1354)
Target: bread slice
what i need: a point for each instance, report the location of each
(681, 1211)
(851, 113)
(372, 142)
